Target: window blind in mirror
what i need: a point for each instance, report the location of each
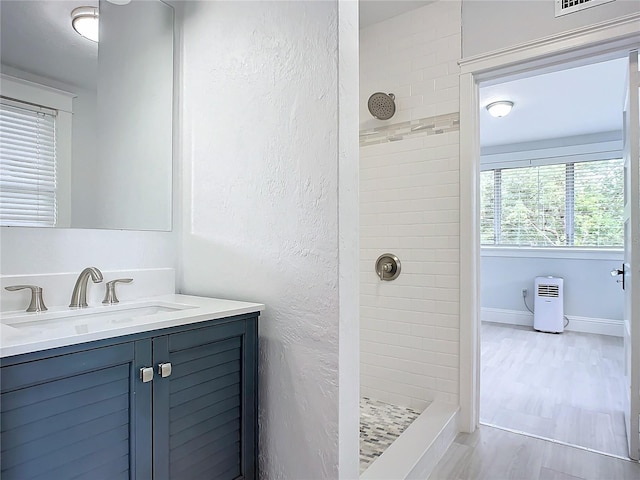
(27, 164)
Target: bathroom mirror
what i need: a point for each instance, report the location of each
(111, 104)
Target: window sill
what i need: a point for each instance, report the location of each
(550, 252)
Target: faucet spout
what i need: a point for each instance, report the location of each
(79, 295)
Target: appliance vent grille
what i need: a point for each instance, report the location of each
(551, 291)
(564, 7)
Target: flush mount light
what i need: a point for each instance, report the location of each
(500, 109)
(85, 21)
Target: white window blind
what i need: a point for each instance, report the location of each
(27, 164)
(572, 204)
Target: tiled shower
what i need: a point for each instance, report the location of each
(409, 207)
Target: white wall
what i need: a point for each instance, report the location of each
(262, 216)
(135, 106)
(494, 24)
(26, 251)
(84, 157)
(409, 205)
(589, 289)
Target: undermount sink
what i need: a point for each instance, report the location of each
(85, 320)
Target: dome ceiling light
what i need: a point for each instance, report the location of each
(85, 21)
(500, 109)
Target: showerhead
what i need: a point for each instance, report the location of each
(382, 106)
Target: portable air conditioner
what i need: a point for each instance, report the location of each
(549, 305)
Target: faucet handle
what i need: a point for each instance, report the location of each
(110, 295)
(37, 303)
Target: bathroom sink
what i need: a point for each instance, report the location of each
(85, 320)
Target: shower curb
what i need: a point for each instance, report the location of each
(418, 450)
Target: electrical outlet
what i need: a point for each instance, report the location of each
(524, 292)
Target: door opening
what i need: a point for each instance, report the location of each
(551, 208)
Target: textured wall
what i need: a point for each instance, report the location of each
(409, 205)
(260, 147)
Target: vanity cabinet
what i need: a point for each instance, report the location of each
(84, 411)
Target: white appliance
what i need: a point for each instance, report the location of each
(549, 305)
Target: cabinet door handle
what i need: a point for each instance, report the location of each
(164, 369)
(146, 374)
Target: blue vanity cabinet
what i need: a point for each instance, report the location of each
(79, 414)
(84, 412)
(204, 416)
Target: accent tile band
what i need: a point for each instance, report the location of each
(399, 131)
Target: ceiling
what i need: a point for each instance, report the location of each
(37, 37)
(577, 101)
(374, 11)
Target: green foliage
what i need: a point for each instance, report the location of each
(535, 211)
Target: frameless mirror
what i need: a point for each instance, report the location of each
(86, 127)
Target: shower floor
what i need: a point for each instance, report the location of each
(380, 424)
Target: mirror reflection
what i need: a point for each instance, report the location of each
(86, 126)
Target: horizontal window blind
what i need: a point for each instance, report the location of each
(573, 204)
(27, 165)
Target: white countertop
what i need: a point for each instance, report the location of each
(22, 332)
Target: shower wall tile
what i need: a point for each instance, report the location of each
(409, 206)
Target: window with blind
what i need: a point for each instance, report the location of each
(572, 204)
(27, 164)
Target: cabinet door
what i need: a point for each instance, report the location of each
(75, 415)
(205, 411)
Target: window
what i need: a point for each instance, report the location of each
(27, 164)
(572, 204)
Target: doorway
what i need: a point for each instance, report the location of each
(551, 208)
(583, 48)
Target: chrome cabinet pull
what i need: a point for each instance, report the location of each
(164, 369)
(146, 374)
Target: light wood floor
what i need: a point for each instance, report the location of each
(566, 387)
(494, 454)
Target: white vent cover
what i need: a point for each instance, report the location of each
(549, 291)
(564, 7)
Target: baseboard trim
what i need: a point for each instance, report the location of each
(418, 450)
(600, 326)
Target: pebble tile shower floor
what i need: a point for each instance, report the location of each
(380, 424)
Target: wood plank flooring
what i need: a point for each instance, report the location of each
(566, 387)
(493, 454)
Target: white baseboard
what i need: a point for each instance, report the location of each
(418, 450)
(600, 326)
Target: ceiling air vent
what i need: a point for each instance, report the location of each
(564, 7)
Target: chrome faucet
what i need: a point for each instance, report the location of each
(79, 295)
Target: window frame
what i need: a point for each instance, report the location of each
(596, 147)
(34, 93)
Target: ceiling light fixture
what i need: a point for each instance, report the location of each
(85, 21)
(500, 109)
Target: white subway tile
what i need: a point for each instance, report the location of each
(448, 386)
(410, 206)
(445, 333)
(449, 307)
